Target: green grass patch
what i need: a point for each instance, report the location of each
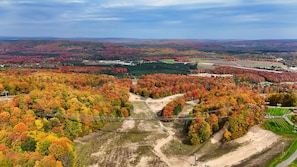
(279, 126)
(277, 111)
(168, 61)
(286, 155)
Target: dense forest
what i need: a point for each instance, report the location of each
(29, 137)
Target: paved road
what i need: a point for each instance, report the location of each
(288, 161)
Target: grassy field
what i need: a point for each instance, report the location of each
(277, 111)
(279, 126)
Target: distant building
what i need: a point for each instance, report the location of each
(279, 59)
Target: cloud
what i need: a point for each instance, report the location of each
(5, 3)
(149, 18)
(50, 1)
(281, 2)
(78, 19)
(71, 1)
(247, 18)
(163, 3)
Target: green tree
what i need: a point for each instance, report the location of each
(29, 144)
(42, 147)
(204, 131)
(54, 122)
(194, 138)
(289, 99)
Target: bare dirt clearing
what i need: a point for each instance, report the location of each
(157, 105)
(255, 141)
(154, 143)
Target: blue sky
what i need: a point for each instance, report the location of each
(150, 19)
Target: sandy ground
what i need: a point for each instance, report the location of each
(218, 136)
(255, 141)
(157, 105)
(127, 124)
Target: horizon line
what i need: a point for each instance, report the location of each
(131, 38)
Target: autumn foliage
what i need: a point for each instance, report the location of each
(285, 99)
(91, 69)
(30, 138)
(173, 108)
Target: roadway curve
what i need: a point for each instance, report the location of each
(288, 161)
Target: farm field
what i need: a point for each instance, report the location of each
(267, 64)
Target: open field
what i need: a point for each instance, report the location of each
(253, 64)
(265, 65)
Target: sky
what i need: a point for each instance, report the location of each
(150, 19)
